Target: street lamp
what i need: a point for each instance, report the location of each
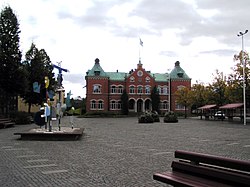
(241, 34)
(169, 90)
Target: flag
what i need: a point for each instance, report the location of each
(50, 94)
(46, 82)
(36, 87)
(141, 43)
(68, 104)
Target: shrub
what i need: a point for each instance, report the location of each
(146, 118)
(170, 117)
(155, 116)
(21, 118)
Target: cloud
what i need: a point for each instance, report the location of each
(221, 52)
(168, 53)
(73, 78)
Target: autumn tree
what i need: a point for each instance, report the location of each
(198, 95)
(235, 79)
(183, 97)
(217, 89)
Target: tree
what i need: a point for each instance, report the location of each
(183, 97)
(124, 99)
(198, 95)
(155, 99)
(38, 64)
(235, 79)
(12, 73)
(217, 89)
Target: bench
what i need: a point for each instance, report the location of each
(203, 170)
(5, 122)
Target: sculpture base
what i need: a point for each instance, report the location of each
(65, 133)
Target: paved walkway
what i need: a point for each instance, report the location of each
(114, 152)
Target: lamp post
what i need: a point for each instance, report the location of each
(169, 91)
(241, 34)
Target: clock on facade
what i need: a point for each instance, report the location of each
(139, 73)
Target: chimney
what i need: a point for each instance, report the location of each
(177, 64)
(97, 61)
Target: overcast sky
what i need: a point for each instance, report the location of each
(201, 34)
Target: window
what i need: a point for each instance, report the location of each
(139, 91)
(120, 89)
(92, 104)
(100, 105)
(147, 79)
(147, 89)
(119, 105)
(159, 90)
(180, 87)
(165, 90)
(112, 106)
(96, 88)
(132, 79)
(165, 105)
(179, 107)
(97, 73)
(113, 89)
(131, 89)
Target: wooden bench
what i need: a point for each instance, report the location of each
(5, 122)
(203, 170)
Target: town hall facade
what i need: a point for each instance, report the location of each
(104, 89)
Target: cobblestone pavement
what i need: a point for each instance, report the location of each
(114, 151)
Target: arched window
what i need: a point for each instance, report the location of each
(147, 89)
(93, 104)
(119, 105)
(113, 105)
(139, 90)
(131, 89)
(100, 105)
(113, 89)
(120, 89)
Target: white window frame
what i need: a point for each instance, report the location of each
(97, 88)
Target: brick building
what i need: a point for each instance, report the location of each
(104, 89)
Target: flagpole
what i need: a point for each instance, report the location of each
(139, 50)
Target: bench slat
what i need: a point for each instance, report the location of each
(214, 160)
(213, 173)
(178, 179)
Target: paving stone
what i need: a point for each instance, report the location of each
(114, 151)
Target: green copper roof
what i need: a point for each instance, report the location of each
(178, 72)
(117, 76)
(96, 69)
(160, 77)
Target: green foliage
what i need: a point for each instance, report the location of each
(146, 118)
(124, 100)
(21, 118)
(12, 75)
(170, 117)
(184, 97)
(155, 99)
(38, 65)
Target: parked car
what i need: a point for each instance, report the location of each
(219, 115)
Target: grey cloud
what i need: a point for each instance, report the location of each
(168, 53)
(232, 17)
(221, 52)
(73, 78)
